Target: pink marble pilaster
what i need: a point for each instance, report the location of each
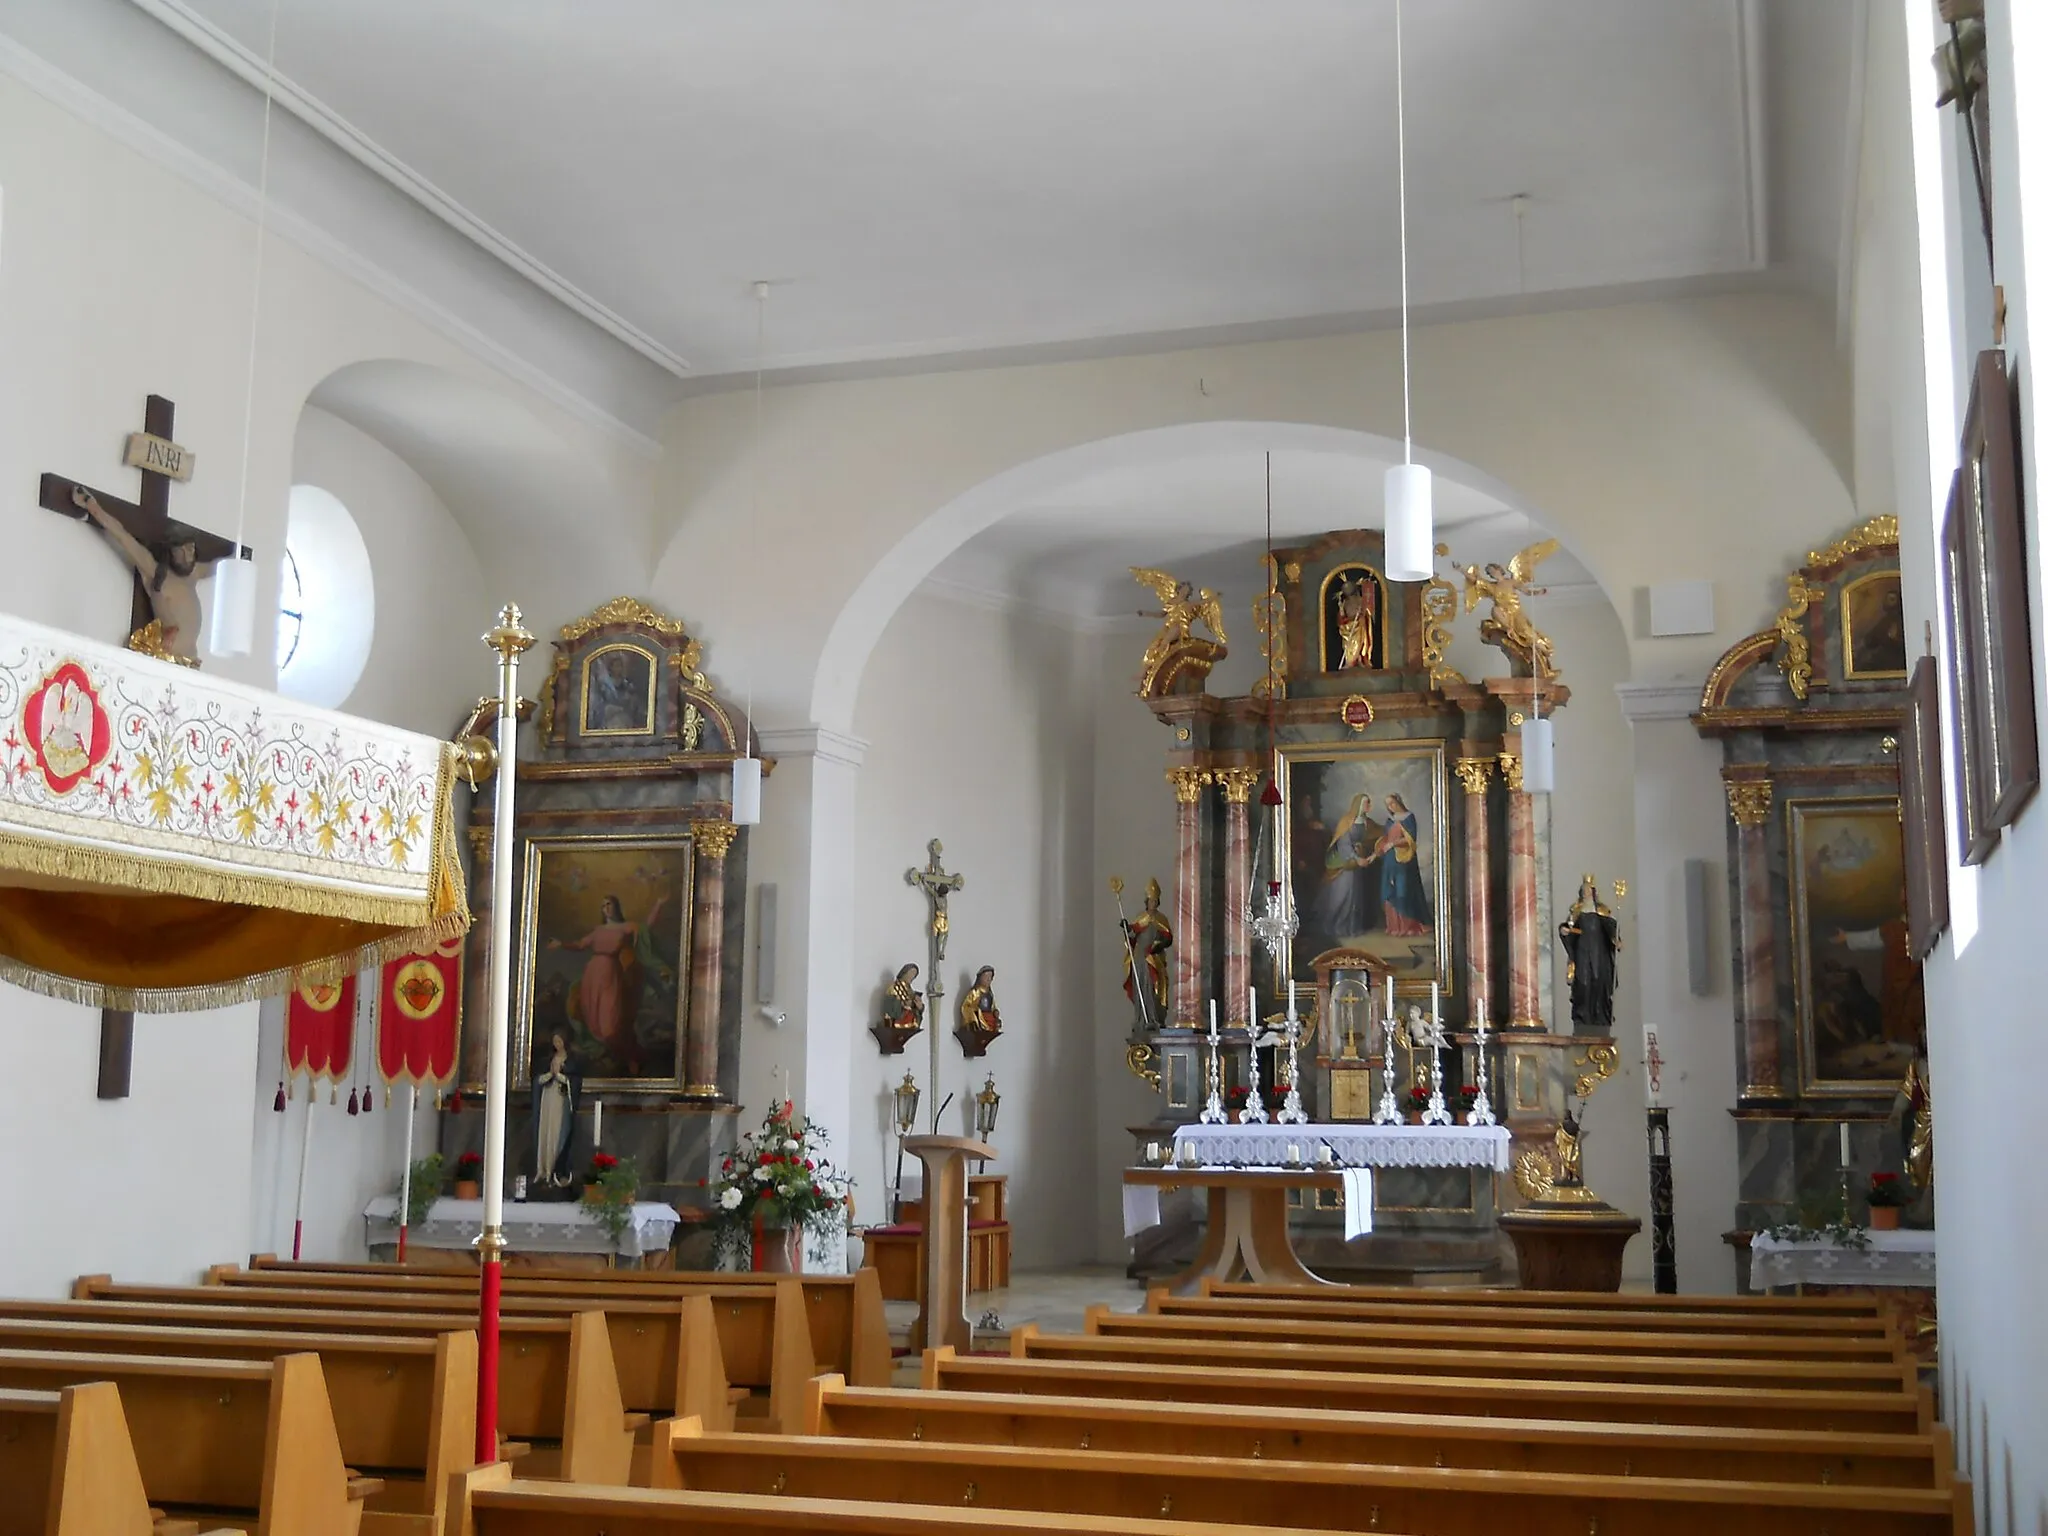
(1525, 1001)
(707, 958)
(1237, 879)
(1473, 773)
(1187, 896)
(1756, 959)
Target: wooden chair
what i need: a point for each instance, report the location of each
(67, 1466)
(1320, 1495)
(1457, 1437)
(243, 1442)
(1751, 1407)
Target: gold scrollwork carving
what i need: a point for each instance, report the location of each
(1473, 773)
(1511, 770)
(1187, 783)
(1236, 783)
(1139, 1059)
(1796, 656)
(1878, 533)
(621, 610)
(1749, 802)
(689, 661)
(1269, 618)
(548, 689)
(1595, 1067)
(713, 838)
(1439, 610)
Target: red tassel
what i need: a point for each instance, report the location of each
(352, 1107)
(1270, 795)
(279, 1105)
(366, 1100)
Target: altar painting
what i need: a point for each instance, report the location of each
(1861, 1008)
(605, 933)
(1874, 629)
(1367, 859)
(618, 691)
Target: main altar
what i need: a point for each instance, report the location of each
(1354, 834)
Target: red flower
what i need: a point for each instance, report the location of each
(1884, 1178)
(809, 1165)
(604, 1162)
(468, 1164)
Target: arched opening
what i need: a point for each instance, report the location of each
(327, 600)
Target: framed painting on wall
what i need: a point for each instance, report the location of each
(1367, 859)
(604, 962)
(617, 691)
(1874, 629)
(1920, 810)
(1861, 1009)
(1959, 635)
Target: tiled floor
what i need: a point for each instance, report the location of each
(1057, 1300)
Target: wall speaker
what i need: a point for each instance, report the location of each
(1698, 915)
(764, 943)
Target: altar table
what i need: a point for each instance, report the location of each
(1355, 1145)
(1892, 1259)
(559, 1227)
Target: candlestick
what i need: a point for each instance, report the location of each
(1387, 1112)
(1390, 999)
(1252, 1020)
(1482, 1108)
(1254, 1111)
(597, 1124)
(1212, 1018)
(1435, 1007)
(1438, 1112)
(1213, 1112)
(1291, 1112)
(1845, 1144)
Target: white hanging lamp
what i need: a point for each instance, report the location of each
(746, 768)
(1410, 516)
(1539, 755)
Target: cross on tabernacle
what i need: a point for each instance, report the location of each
(148, 518)
(937, 885)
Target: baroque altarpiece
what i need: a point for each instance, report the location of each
(1408, 848)
(630, 887)
(1829, 1013)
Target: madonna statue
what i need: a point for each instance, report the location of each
(556, 1093)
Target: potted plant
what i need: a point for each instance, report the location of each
(469, 1176)
(423, 1188)
(1276, 1100)
(609, 1185)
(1887, 1196)
(774, 1187)
(1418, 1101)
(1467, 1097)
(1235, 1101)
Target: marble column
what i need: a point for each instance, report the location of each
(1237, 882)
(707, 958)
(1756, 958)
(1473, 773)
(1525, 971)
(1187, 896)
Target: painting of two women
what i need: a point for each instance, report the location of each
(1363, 847)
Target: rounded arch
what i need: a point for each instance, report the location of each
(860, 622)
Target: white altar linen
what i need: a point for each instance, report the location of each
(1357, 1203)
(1893, 1258)
(1360, 1146)
(1141, 1208)
(530, 1227)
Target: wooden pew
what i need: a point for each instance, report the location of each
(1441, 1310)
(67, 1466)
(1622, 1301)
(1526, 1397)
(667, 1358)
(404, 1408)
(1620, 1339)
(1319, 1495)
(1884, 1377)
(1457, 1437)
(765, 1333)
(489, 1502)
(248, 1443)
(849, 1326)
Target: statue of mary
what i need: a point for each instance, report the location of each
(555, 1095)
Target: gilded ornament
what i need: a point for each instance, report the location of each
(689, 661)
(1736, 660)
(1473, 772)
(149, 641)
(1236, 783)
(1796, 661)
(1511, 770)
(1439, 610)
(559, 671)
(713, 838)
(1138, 1059)
(1878, 533)
(1269, 618)
(693, 726)
(622, 610)
(1187, 783)
(1182, 606)
(1749, 802)
(1509, 625)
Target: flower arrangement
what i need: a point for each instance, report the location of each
(1237, 1098)
(1886, 1192)
(469, 1173)
(781, 1174)
(1467, 1098)
(424, 1187)
(609, 1185)
(1418, 1098)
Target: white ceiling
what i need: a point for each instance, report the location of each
(928, 178)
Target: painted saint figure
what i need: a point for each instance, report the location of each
(608, 996)
(1404, 899)
(1348, 903)
(901, 1006)
(555, 1095)
(980, 1020)
(1591, 938)
(1147, 938)
(1358, 611)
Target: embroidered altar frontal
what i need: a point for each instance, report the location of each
(173, 841)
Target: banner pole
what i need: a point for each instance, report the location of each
(405, 1178)
(305, 1163)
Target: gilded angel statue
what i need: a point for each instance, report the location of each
(1181, 606)
(1509, 625)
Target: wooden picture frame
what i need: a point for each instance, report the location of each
(1920, 810)
(2009, 764)
(1959, 633)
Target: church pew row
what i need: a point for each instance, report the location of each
(488, 1501)
(1879, 1377)
(67, 1466)
(1622, 1301)
(237, 1444)
(1617, 1340)
(1318, 1495)
(1456, 1437)
(760, 1338)
(849, 1326)
(667, 1358)
(1747, 1406)
(404, 1408)
(1441, 1310)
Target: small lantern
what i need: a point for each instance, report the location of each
(906, 1095)
(986, 1103)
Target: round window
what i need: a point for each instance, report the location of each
(327, 606)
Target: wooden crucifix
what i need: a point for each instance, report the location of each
(937, 885)
(170, 558)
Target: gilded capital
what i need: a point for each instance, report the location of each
(1236, 783)
(1511, 770)
(713, 838)
(1749, 802)
(1473, 772)
(1187, 783)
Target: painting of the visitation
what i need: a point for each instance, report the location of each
(1861, 1010)
(618, 692)
(606, 930)
(1366, 855)
(1354, 600)
(1874, 628)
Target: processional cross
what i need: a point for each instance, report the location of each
(937, 885)
(148, 527)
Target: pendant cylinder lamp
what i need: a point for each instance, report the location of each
(233, 630)
(1411, 527)
(1539, 756)
(746, 791)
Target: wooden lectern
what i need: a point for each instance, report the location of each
(943, 1318)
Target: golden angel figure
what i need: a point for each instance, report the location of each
(1509, 625)
(1181, 606)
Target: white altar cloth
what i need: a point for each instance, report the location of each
(530, 1227)
(1893, 1258)
(1360, 1146)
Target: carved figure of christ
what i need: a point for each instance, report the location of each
(937, 885)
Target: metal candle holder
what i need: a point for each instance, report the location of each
(1387, 1112)
(1482, 1108)
(1291, 1112)
(1438, 1112)
(1254, 1111)
(1212, 1109)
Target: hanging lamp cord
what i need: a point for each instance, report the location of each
(1401, 198)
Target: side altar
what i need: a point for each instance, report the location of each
(1355, 830)
(629, 917)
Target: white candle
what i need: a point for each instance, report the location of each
(1390, 994)
(1252, 1023)
(1845, 1143)
(1480, 1004)
(1151, 1151)
(1294, 1151)
(1212, 1015)
(1323, 1153)
(1290, 997)
(597, 1124)
(1434, 1015)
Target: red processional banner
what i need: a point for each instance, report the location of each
(320, 1029)
(419, 1016)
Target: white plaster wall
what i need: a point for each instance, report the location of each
(980, 734)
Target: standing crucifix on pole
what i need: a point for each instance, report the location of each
(937, 885)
